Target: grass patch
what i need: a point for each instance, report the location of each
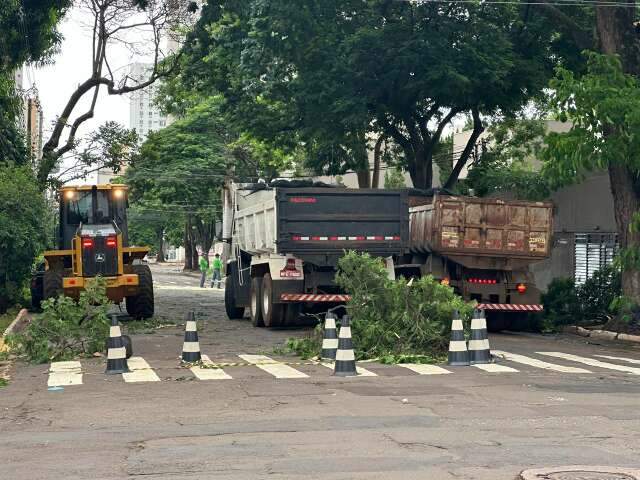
(306, 347)
(149, 325)
(3, 382)
(427, 359)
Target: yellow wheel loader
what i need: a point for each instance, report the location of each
(93, 241)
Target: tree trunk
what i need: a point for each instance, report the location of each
(188, 257)
(626, 202)
(364, 179)
(617, 36)
(195, 256)
(160, 244)
(377, 160)
(421, 170)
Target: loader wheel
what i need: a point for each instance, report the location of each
(52, 284)
(272, 313)
(256, 296)
(141, 305)
(233, 312)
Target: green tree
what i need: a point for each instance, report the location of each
(22, 236)
(604, 107)
(400, 69)
(29, 30)
(506, 161)
(179, 172)
(110, 147)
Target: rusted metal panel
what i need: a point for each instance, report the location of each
(482, 227)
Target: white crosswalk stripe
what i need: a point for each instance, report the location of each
(70, 373)
(141, 371)
(363, 372)
(423, 369)
(533, 362)
(62, 374)
(622, 359)
(592, 362)
(495, 368)
(269, 365)
(209, 373)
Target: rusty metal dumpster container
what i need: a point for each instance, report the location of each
(469, 228)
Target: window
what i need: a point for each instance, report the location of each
(593, 251)
(162, 123)
(150, 113)
(80, 208)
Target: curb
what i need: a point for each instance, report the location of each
(544, 473)
(18, 323)
(602, 334)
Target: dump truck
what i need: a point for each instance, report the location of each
(285, 242)
(482, 248)
(92, 241)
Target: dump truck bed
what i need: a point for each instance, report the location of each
(322, 221)
(457, 226)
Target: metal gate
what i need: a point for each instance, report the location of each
(592, 251)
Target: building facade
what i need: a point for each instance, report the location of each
(144, 116)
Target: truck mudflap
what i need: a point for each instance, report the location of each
(302, 297)
(510, 307)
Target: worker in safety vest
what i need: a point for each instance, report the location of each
(204, 266)
(216, 265)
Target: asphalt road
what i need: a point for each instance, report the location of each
(466, 424)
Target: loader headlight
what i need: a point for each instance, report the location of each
(118, 194)
(69, 194)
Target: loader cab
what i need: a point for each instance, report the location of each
(92, 206)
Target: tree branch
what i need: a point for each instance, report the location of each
(478, 128)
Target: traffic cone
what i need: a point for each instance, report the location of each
(191, 347)
(458, 353)
(116, 351)
(330, 340)
(345, 365)
(479, 351)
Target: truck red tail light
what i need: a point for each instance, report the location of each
(483, 281)
(522, 288)
(87, 242)
(112, 242)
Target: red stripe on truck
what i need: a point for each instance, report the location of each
(359, 238)
(305, 297)
(511, 307)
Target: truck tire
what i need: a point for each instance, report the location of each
(272, 313)
(233, 312)
(255, 304)
(142, 304)
(52, 284)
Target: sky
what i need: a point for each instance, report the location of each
(71, 66)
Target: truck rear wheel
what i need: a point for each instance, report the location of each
(272, 313)
(52, 284)
(233, 312)
(255, 305)
(142, 304)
